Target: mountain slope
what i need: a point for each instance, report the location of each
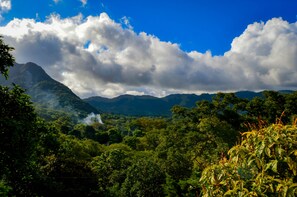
(45, 92)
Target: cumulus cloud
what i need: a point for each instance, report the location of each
(97, 56)
(5, 6)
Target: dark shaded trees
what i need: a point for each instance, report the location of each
(20, 132)
(6, 58)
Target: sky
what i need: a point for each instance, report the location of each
(113, 47)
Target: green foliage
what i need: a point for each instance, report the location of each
(219, 129)
(67, 170)
(110, 168)
(4, 188)
(264, 164)
(7, 60)
(131, 141)
(20, 134)
(144, 178)
(114, 136)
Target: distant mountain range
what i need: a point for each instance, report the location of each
(153, 106)
(50, 95)
(45, 92)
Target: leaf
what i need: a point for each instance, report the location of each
(251, 161)
(285, 191)
(280, 151)
(271, 187)
(261, 149)
(268, 166)
(229, 193)
(277, 180)
(213, 180)
(279, 187)
(293, 185)
(274, 166)
(258, 163)
(268, 152)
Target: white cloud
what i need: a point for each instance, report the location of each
(84, 2)
(126, 22)
(5, 6)
(97, 56)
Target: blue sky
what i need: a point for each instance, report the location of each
(194, 24)
(156, 47)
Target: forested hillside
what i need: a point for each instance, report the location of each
(50, 97)
(226, 146)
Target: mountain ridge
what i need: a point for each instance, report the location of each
(45, 92)
(146, 105)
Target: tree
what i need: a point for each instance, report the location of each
(219, 129)
(255, 109)
(264, 164)
(19, 137)
(177, 166)
(20, 132)
(229, 108)
(6, 58)
(144, 178)
(110, 168)
(67, 170)
(274, 104)
(114, 136)
(290, 106)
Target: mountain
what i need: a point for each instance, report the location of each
(153, 106)
(145, 105)
(46, 93)
(131, 105)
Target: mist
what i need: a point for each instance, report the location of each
(92, 118)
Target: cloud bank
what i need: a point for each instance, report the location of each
(98, 56)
